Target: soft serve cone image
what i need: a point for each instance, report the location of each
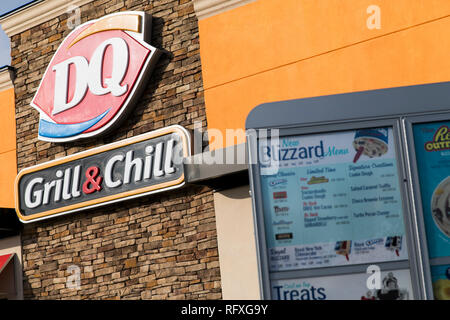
(371, 142)
(343, 248)
(394, 244)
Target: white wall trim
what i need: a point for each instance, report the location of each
(6, 79)
(208, 8)
(236, 239)
(35, 14)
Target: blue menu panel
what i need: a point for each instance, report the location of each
(332, 199)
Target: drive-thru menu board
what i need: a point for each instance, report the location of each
(332, 199)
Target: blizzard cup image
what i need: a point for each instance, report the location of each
(370, 142)
(343, 248)
(394, 244)
(440, 206)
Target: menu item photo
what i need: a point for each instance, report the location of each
(394, 244)
(440, 206)
(343, 248)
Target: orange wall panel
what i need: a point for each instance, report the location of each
(412, 56)
(7, 121)
(272, 50)
(8, 174)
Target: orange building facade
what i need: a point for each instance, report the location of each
(8, 145)
(262, 51)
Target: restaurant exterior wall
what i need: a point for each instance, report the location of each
(158, 247)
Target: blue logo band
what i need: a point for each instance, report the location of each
(56, 130)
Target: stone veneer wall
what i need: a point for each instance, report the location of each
(158, 247)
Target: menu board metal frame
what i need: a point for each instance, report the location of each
(415, 191)
(267, 275)
(400, 106)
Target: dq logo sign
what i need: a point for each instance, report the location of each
(95, 74)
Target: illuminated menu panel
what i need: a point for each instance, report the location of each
(332, 199)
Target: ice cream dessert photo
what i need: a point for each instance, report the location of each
(370, 142)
